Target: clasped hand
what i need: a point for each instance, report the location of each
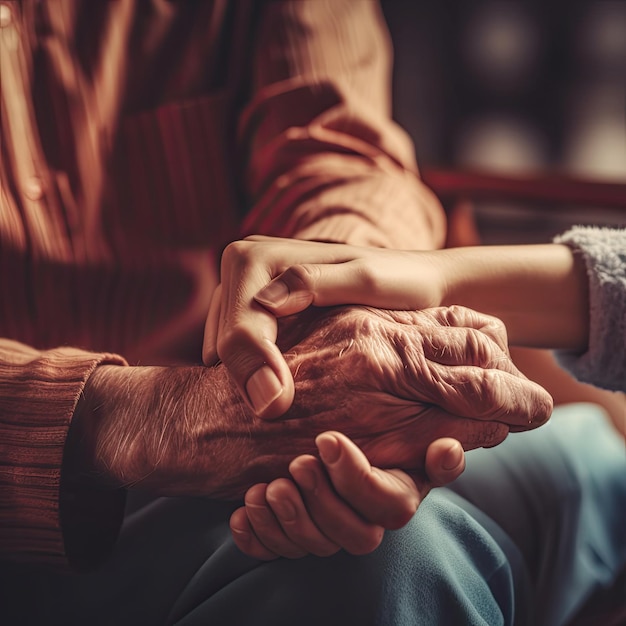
(411, 377)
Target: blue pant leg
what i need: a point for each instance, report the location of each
(560, 493)
(444, 568)
(175, 563)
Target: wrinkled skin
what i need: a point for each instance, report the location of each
(351, 502)
(345, 503)
(391, 381)
(394, 381)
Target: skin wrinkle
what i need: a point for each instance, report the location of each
(346, 348)
(412, 363)
(111, 441)
(356, 370)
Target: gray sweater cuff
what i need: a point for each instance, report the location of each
(604, 254)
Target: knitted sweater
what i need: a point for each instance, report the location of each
(604, 253)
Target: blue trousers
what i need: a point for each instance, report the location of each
(530, 530)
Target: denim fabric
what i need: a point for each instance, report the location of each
(559, 492)
(528, 532)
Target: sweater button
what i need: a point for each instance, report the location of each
(33, 189)
(6, 17)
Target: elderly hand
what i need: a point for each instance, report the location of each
(392, 381)
(242, 333)
(442, 372)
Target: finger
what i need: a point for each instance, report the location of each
(408, 447)
(246, 334)
(286, 503)
(247, 331)
(265, 238)
(445, 461)
(211, 326)
(259, 371)
(468, 376)
(489, 394)
(462, 317)
(331, 513)
(454, 338)
(266, 527)
(377, 279)
(385, 497)
(302, 285)
(453, 345)
(245, 539)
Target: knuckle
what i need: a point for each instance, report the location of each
(302, 276)
(242, 253)
(455, 315)
(255, 495)
(235, 251)
(546, 406)
(492, 394)
(495, 329)
(496, 325)
(540, 407)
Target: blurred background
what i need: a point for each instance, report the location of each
(513, 87)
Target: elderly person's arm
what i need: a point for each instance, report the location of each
(376, 376)
(321, 157)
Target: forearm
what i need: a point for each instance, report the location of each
(172, 431)
(540, 292)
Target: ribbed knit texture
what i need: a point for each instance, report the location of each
(137, 137)
(38, 394)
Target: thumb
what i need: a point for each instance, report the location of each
(327, 284)
(252, 359)
(388, 498)
(211, 327)
(445, 461)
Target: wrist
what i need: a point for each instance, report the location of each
(167, 430)
(454, 279)
(91, 512)
(93, 410)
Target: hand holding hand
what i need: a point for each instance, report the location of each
(392, 381)
(241, 327)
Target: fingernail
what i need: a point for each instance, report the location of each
(329, 449)
(453, 457)
(263, 388)
(273, 294)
